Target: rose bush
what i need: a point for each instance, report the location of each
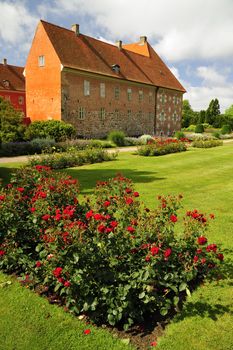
(108, 256)
(157, 147)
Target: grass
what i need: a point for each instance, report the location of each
(204, 177)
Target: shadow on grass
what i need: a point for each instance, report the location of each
(88, 177)
(5, 174)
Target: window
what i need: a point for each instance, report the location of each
(117, 93)
(86, 88)
(6, 84)
(102, 113)
(129, 113)
(81, 113)
(41, 61)
(140, 95)
(102, 90)
(129, 94)
(21, 100)
(150, 97)
(162, 116)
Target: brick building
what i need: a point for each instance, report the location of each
(99, 87)
(12, 85)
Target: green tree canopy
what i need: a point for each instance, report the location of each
(11, 122)
(229, 110)
(212, 111)
(188, 115)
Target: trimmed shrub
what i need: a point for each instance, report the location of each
(108, 255)
(206, 144)
(216, 134)
(117, 137)
(179, 135)
(55, 129)
(199, 129)
(72, 158)
(157, 147)
(145, 138)
(226, 129)
(11, 149)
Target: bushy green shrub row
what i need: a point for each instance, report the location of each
(206, 144)
(107, 256)
(54, 129)
(161, 147)
(72, 158)
(35, 146)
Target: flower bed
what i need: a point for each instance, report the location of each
(206, 144)
(108, 256)
(72, 158)
(157, 147)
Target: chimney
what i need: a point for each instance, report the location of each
(119, 44)
(143, 40)
(4, 61)
(75, 28)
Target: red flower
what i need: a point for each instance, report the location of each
(220, 256)
(2, 252)
(46, 217)
(195, 259)
(212, 216)
(38, 264)
(136, 194)
(154, 250)
(2, 198)
(167, 253)
(107, 203)
(89, 214)
(61, 280)
(128, 200)
(87, 331)
(199, 251)
(203, 261)
(67, 284)
(130, 229)
(147, 258)
(173, 218)
(128, 190)
(42, 194)
(114, 224)
(20, 189)
(211, 247)
(101, 228)
(98, 216)
(153, 343)
(201, 240)
(32, 209)
(57, 272)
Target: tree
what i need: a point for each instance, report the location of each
(11, 123)
(188, 115)
(212, 111)
(229, 111)
(201, 117)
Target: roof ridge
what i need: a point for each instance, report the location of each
(11, 65)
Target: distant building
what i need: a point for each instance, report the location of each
(99, 87)
(12, 85)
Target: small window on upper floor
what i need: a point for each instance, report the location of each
(102, 90)
(117, 93)
(150, 97)
(81, 113)
(86, 87)
(140, 95)
(6, 84)
(41, 61)
(21, 100)
(102, 113)
(129, 94)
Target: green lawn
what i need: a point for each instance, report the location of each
(204, 177)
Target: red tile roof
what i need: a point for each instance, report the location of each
(89, 54)
(12, 74)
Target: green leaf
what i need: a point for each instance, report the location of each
(176, 300)
(163, 311)
(57, 287)
(182, 286)
(126, 340)
(141, 295)
(38, 247)
(188, 292)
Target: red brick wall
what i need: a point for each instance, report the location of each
(15, 97)
(43, 84)
(169, 111)
(116, 111)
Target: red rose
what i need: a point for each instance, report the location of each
(173, 218)
(203, 261)
(101, 228)
(201, 240)
(211, 247)
(46, 217)
(89, 214)
(2, 198)
(87, 331)
(67, 284)
(97, 216)
(20, 189)
(38, 264)
(32, 209)
(128, 190)
(57, 272)
(128, 200)
(153, 343)
(220, 256)
(212, 216)
(167, 253)
(136, 194)
(199, 251)
(2, 252)
(154, 250)
(147, 258)
(114, 224)
(107, 203)
(130, 229)
(196, 258)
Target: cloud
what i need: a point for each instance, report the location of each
(211, 77)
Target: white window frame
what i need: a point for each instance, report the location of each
(140, 95)
(102, 113)
(86, 88)
(117, 93)
(41, 61)
(129, 94)
(102, 90)
(81, 113)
